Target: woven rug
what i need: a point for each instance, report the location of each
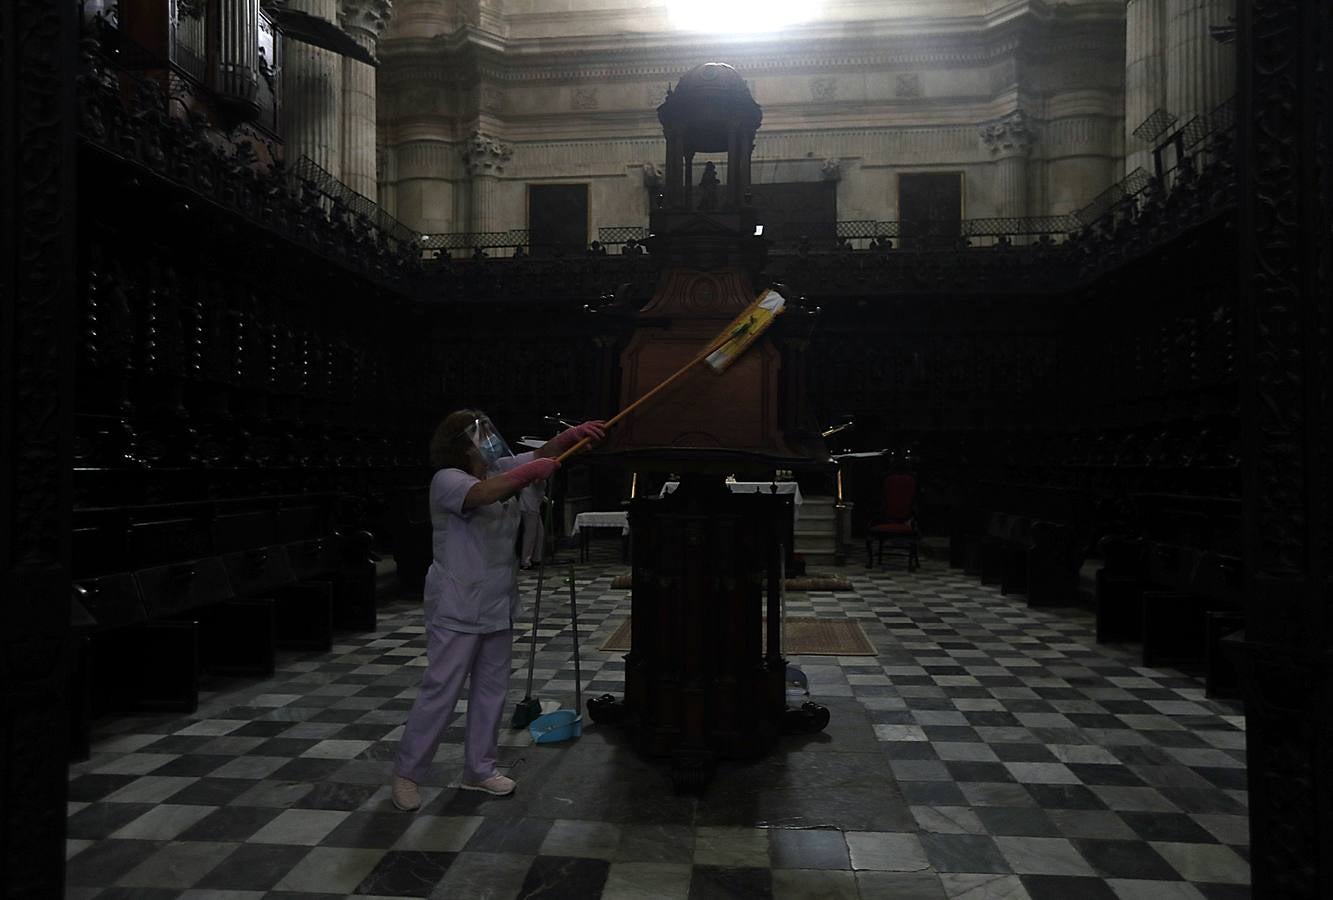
(819, 583)
(800, 583)
(804, 637)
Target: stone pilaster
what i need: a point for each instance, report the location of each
(1200, 72)
(312, 92)
(1009, 141)
(365, 21)
(1145, 74)
(485, 158)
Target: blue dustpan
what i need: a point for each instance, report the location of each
(561, 725)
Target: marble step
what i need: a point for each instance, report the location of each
(822, 543)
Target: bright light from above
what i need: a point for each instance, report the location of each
(740, 16)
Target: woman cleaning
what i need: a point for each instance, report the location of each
(471, 595)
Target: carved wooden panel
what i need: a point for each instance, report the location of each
(37, 326)
(1286, 261)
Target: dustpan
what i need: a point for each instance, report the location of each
(564, 724)
(561, 725)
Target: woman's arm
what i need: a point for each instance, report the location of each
(594, 429)
(507, 484)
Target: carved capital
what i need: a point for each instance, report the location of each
(485, 155)
(652, 175)
(831, 170)
(370, 16)
(1011, 135)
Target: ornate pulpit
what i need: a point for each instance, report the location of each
(705, 676)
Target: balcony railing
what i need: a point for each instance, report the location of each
(137, 111)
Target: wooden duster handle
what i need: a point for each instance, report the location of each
(703, 354)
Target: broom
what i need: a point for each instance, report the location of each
(529, 708)
(720, 353)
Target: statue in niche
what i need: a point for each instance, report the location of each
(652, 175)
(267, 71)
(708, 184)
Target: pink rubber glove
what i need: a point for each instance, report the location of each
(524, 475)
(594, 429)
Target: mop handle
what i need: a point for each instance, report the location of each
(574, 623)
(670, 379)
(536, 613)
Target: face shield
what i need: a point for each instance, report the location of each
(488, 440)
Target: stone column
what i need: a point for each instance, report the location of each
(1200, 72)
(386, 180)
(1009, 141)
(1145, 75)
(422, 19)
(364, 20)
(312, 90)
(485, 158)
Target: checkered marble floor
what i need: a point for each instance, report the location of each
(989, 751)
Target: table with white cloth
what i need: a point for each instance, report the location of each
(585, 522)
(758, 487)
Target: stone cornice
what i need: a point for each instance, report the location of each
(875, 26)
(470, 52)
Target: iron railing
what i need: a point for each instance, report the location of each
(336, 197)
(1105, 202)
(614, 235)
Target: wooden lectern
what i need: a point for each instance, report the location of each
(705, 680)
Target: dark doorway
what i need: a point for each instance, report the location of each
(558, 219)
(793, 210)
(930, 209)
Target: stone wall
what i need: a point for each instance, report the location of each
(861, 93)
(1023, 98)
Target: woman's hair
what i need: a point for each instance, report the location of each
(450, 446)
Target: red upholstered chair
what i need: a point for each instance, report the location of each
(897, 523)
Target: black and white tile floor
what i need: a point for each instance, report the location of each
(989, 751)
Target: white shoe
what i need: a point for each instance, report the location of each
(404, 794)
(497, 785)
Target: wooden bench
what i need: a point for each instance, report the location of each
(167, 591)
(1177, 586)
(1118, 592)
(403, 524)
(1024, 538)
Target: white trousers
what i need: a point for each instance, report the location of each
(534, 534)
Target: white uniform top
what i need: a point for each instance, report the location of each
(472, 582)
